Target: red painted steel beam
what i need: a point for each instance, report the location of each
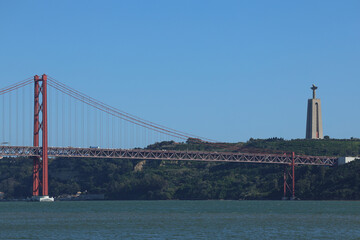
(40, 107)
(293, 175)
(285, 187)
(44, 126)
(36, 159)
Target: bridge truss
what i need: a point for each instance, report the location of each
(140, 154)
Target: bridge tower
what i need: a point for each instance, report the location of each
(40, 179)
(289, 179)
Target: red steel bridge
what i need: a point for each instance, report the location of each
(42, 118)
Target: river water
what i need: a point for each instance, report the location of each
(181, 220)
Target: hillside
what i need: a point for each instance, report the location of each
(324, 147)
(126, 179)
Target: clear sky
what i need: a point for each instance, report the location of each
(226, 70)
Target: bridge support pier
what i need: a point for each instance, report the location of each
(41, 161)
(289, 179)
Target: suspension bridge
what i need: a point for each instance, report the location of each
(41, 117)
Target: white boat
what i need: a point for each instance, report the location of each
(42, 199)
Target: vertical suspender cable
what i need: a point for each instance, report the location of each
(23, 116)
(121, 134)
(57, 118)
(83, 124)
(3, 114)
(30, 115)
(76, 123)
(107, 130)
(113, 132)
(101, 129)
(88, 126)
(16, 117)
(70, 130)
(131, 135)
(146, 137)
(126, 132)
(138, 136)
(9, 119)
(150, 137)
(96, 128)
(143, 134)
(63, 120)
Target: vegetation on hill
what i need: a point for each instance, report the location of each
(130, 179)
(323, 147)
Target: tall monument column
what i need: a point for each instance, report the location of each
(314, 129)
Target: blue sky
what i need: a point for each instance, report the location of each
(226, 70)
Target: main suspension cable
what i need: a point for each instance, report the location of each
(106, 110)
(127, 115)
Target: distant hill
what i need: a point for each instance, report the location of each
(323, 147)
(129, 179)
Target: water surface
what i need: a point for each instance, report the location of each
(181, 220)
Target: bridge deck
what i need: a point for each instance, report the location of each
(141, 154)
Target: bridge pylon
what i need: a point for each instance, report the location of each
(40, 168)
(289, 179)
